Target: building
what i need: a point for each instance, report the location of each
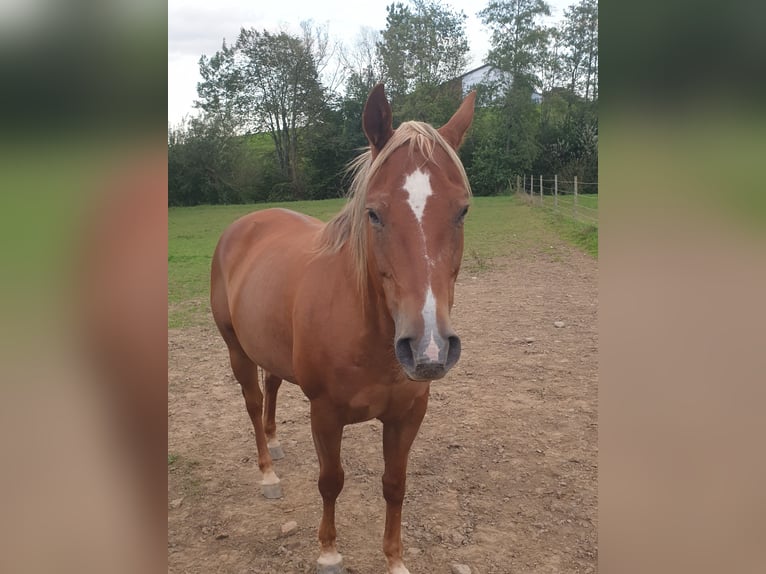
(487, 74)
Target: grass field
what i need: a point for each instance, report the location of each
(496, 226)
(587, 205)
(586, 200)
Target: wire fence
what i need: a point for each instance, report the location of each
(561, 196)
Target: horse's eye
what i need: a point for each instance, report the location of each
(374, 217)
(462, 215)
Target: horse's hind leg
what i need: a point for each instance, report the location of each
(246, 373)
(271, 386)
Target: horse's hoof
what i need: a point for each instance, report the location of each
(271, 490)
(327, 566)
(331, 568)
(276, 452)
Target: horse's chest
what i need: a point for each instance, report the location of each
(381, 400)
(367, 403)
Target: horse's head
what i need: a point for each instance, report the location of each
(416, 200)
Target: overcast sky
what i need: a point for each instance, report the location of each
(197, 27)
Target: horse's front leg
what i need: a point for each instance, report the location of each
(327, 434)
(398, 435)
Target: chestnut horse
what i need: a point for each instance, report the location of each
(355, 311)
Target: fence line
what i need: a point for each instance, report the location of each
(592, 183)
(534, 189)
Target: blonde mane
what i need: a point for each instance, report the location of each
(349, 225)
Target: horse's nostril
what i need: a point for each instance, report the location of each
(404, 354)
(453, 354)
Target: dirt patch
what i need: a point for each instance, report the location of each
(502, 476)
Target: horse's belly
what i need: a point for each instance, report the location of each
(262, 288)
(262, 317)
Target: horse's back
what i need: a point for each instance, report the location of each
(256, 268)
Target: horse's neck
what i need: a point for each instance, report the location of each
(377, 314)
(371, 301)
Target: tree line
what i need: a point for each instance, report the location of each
(280, 113)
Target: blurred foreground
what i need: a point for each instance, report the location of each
(83, 283)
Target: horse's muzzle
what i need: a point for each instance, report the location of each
(414, 357)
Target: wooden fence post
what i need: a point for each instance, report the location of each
(575, 197)
(541, 190)
(531, 187)
(556, 192)
(518, 186)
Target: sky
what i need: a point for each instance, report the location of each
(197, 27)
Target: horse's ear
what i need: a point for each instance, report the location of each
(454, 130)
(377, 119)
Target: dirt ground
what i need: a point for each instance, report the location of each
(502, 477)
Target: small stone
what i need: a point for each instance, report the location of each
(289, 527)
(221, 536)
(529, 340)
(414, 551)
(460, 569)
(559, 324)
(175, 503)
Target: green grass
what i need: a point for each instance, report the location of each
(261, 144)
(586, 211)
(495, 227)
(589, 200)
(582, 234)
(578, 226)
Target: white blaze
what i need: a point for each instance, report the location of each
(429, 325)
(418, 187)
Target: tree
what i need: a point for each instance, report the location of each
(424, 44)
(273, 128)
(282, 89)
(200, 159)
(220, 83)
(326, 54)
(362, 64)
(552, 66)
(519, 40)
(268, 82)
(508, 143)
(580, 38)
